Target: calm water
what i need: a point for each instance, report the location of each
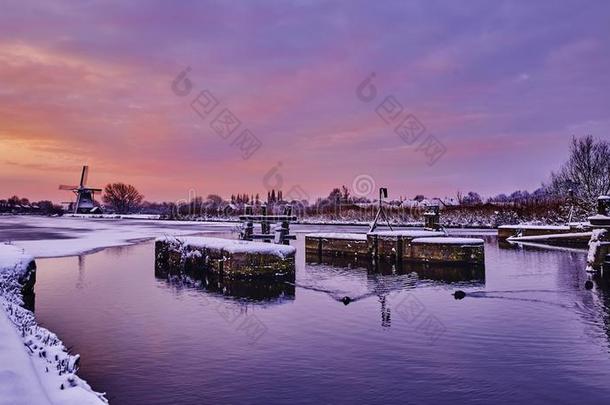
(531, 333)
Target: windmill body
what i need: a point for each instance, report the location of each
(85, 196)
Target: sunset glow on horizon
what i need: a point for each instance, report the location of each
(503, 85)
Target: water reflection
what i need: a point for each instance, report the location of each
(349, 280)
(446, 273)
(268, 290)
(602, 309)
(80, 281)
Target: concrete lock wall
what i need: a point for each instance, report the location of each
(336, 247)
(399, 247)
(170, 257)
(448, 252)
(389, 248)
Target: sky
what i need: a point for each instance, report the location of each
(496, 90)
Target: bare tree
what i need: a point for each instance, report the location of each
(587, 171)
(460, 197)
(472, 198)
(123, 198)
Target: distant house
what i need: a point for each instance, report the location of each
(445, 202)
(424, 203)
(409, 204)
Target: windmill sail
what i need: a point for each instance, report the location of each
(84, 175)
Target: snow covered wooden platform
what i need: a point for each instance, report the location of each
(396, 247)
(228, 257)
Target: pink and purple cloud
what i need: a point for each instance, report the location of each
(503, 85)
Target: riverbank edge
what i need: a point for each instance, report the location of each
(55, 368)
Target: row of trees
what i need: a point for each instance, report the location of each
(17, 204)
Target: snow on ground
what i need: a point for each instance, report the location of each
(232, 245)
(14, 260)
(35, 367)
(73, 235)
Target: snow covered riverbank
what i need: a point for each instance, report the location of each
(35, 367)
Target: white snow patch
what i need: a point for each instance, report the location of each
(597, 239)
(232, 245)
(598, 217)
(13, 260)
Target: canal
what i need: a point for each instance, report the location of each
(526, 332)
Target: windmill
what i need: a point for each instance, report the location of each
(85, 201)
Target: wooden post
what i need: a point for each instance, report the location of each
(432, 218)
(603, 205)
(248, 230)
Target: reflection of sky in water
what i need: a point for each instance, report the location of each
(528, 331)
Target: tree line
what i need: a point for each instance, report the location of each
(579, 181)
